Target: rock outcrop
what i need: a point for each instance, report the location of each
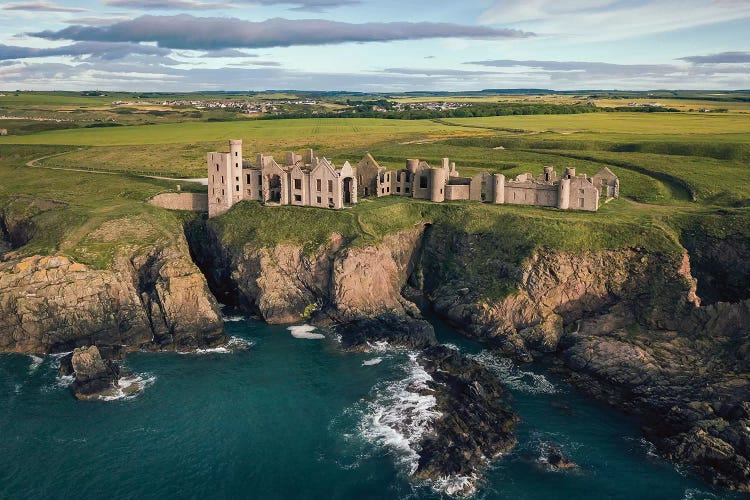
(395, 330)
(94, 376)
(475, 425)
(155, 300)
(284, 282)
(691, 387)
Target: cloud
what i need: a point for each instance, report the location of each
(168, 4)
(136, 75)
(189, 32)
(307, 5)
(96, 21)
(588, 75)
(226, 53)
(613, 19)
(599, 68)
(95, 50)
(720, 58)
(436, 72)
(41, 6)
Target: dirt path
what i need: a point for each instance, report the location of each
(35, 164)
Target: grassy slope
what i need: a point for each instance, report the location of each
(95, 217)
(307, 131)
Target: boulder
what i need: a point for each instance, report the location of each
(94, 376)
(396, 330)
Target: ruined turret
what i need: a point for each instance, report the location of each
(563, 193)
(499, 197)
(437, 185)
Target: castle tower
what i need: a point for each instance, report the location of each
(412, 166)
(499, 197)
(236, 181)
(570, 172)
(563, 193)
(219, 194)
(437, 184)
(549, 174)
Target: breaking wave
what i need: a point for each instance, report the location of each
(233, 318)
(514, 377)
(129, 387)
(36, 361)
(400, 414)
(234, 344)
(305, 332)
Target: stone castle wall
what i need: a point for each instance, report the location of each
(194, 202)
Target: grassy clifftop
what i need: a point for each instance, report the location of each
(521, 227)
(89, 217)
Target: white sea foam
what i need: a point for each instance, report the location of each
(696, 494)
(372, 362)
(36, 361)
(129, 387)
(63, 381)
(233, 319)
(514, 377)
(400, 414)
(464, 486)
(234, 344)
(305, 332)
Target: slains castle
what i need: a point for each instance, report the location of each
(307, 180)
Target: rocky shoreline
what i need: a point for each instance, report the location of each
(626, 325)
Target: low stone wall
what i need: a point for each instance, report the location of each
(195, 202)
(457, 192)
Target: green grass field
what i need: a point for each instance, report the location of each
(663, 160)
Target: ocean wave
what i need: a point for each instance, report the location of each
(233, 318)
(234, 344)
(463, 486)
(400, 414)
(36, 361)
(129, 387)
(698, 494)
(305, 332)
(514, 377)
(372, 362)
(64, 381)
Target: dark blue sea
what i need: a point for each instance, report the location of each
(288, 417)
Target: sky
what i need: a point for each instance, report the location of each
(374, 45)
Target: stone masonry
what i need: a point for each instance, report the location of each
(306, 180)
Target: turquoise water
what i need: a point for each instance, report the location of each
(294, 418)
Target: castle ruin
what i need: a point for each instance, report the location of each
(306, 180)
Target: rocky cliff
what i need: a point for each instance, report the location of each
(154, 299)
(285, 283)
(625, 323)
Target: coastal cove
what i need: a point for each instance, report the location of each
(293, 417)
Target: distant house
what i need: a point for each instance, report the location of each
(3, 131)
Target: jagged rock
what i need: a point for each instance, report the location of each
(555, 459)
(93, 375)
(396, 330)
(476, 423)
(51, 303)
(282, 282)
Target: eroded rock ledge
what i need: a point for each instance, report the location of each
(155, 300)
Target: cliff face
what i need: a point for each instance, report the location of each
(284, 283)
(158, 299)
(525, 312)
(626, 325)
